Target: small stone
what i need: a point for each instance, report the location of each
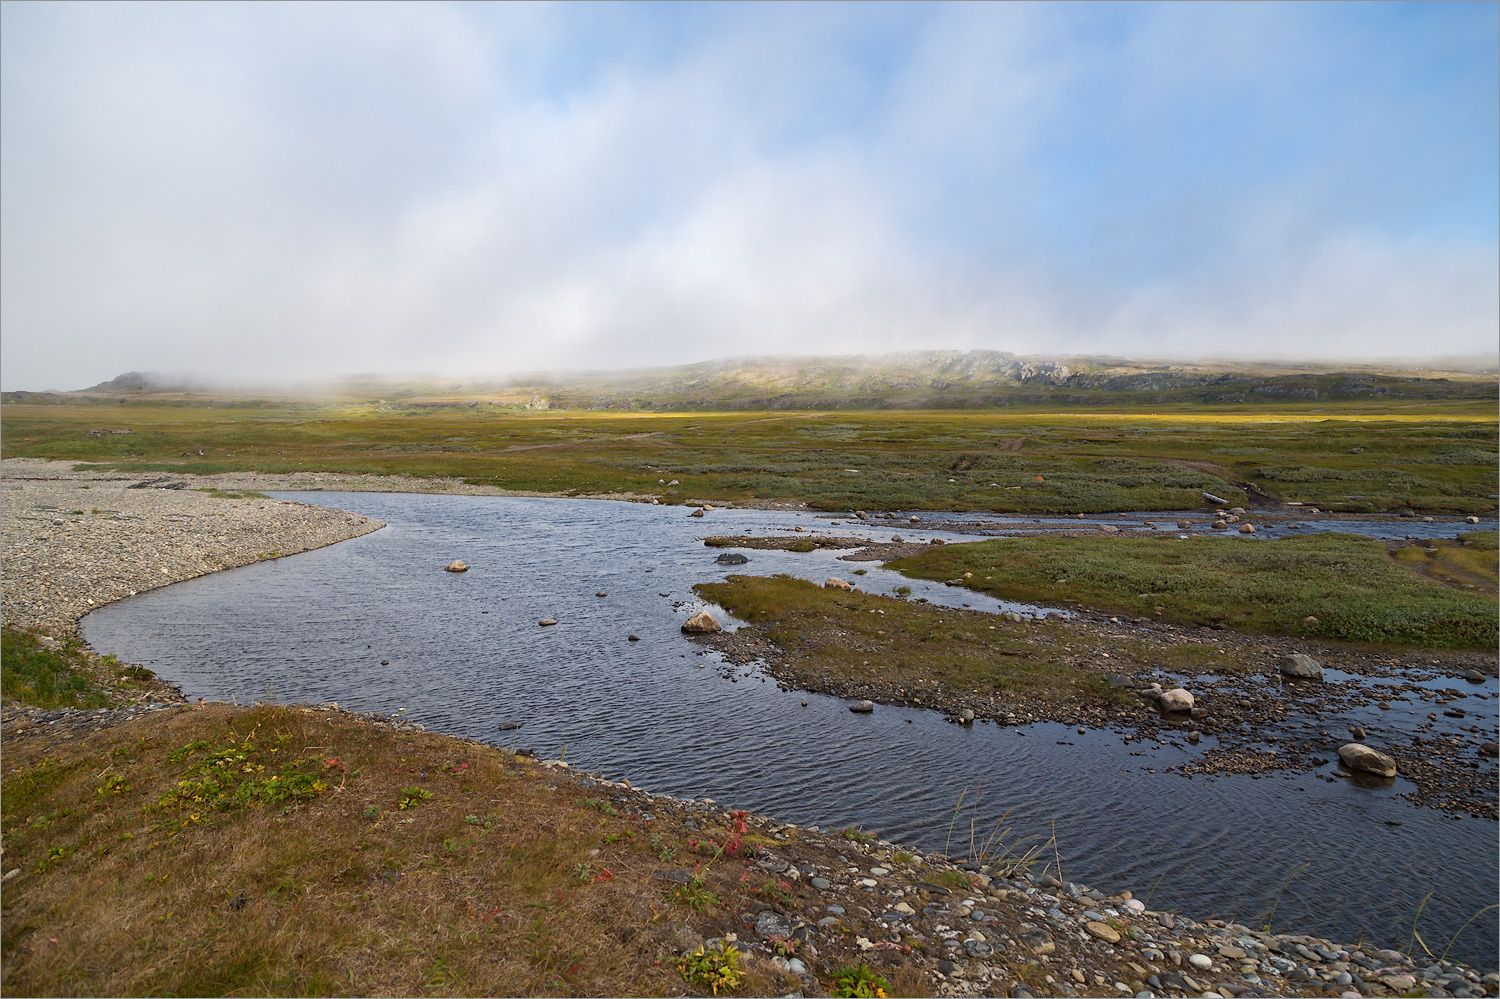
(1201, 961)
(10, 873)
(457, 565)
(1231, 952)
(1103, 931)
(978, 948)
(731, 558)
(862, 707)
(1247, 528)
(1474, 676)
(822, 884)
(547, 622)
(601, 593)
(696, 513)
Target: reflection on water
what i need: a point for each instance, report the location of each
(465, 655)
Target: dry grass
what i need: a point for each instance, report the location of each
(493, 885)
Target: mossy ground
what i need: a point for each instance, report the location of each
(1351, 586)
(1440, 458)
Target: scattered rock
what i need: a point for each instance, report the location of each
(731, 558)
(1302, 666)
(834, 583)
(1247, 528)
(1474, 676)
(457, 565)
(696, 513)
(1176, 700)
(701, 623)
(547, 622)
(862, 707)
(601, 593)
(1358, 757)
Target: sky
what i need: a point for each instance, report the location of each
(296, 191)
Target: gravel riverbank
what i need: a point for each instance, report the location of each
(73, 541)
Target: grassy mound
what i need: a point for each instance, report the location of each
(48, 676)
(1350, 585)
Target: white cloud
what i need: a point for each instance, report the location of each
(307, 190)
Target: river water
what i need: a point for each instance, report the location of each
(377, 625)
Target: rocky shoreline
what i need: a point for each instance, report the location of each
(73, 541)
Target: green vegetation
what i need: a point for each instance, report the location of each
(1433, 457)
(256, 851)
(47, 677)
(916, 653)
(1350, 585)
(712, 968)
(859, 981)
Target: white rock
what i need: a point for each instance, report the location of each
(457, 565)
(1360, 757)
(701, 623)
(834, 583)
(1201, 962)
(1176, 700)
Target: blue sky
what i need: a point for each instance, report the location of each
(300, 191)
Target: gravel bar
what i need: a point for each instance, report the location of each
(71, 542)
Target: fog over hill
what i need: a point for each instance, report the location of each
(927, 379)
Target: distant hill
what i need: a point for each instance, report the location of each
(928, 379)
(145, 381)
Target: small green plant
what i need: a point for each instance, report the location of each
(371, 811)
(412, 797)
(599, 805)
(781, 891)
(114, 784)
(664, 851)
(856, 835)
(902, 591)
(583, 872)
(902, 857)
(859, 981)
(860, 572)
(712, 968)
(782, 946)
(693, 895)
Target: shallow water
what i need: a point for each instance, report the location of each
(466, 655)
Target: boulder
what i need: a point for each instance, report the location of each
(697, 513)
(1238, 511)
(701, 623)
(1471, 520)
(456, 565)
(547, 622)
(1176, 700)
(731, 558)
(1357, 757)
(862, 707)
(1247, 528)
(1491, 749)
(834, 583)
(1219, 525)
(1301, 666)
(1474, 676)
